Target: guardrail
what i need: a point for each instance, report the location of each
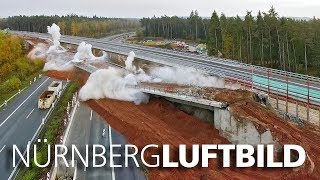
(288, 85)
(305, 93)
(19, 92)
(68, 124)
(35, 136)
(311, 84)
(288, 89)
(8, 100)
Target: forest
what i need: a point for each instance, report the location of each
(16, 70)
(265, 39)
(72, 24)
(290, 44)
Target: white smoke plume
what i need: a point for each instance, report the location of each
(112, 83)
(58, 61)
(84, 53)
(116, 83)
(54, 30)
(129, 61)
(188, 76)
(38, 52)
(167, 74)
(57, 64)
(57, 58)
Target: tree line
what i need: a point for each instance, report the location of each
(71, 24)
(193, 28)
(15, 67)
(265, 39)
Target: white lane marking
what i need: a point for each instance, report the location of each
(2, 148)
(30, 113)
(23, 103)
(29, 142)
(111, 152)
(51, 109)
(91, 116)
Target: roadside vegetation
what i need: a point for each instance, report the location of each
(52, 131)
(72, 25)
(16, 70)
(265, 39)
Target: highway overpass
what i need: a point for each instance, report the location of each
(288, 85)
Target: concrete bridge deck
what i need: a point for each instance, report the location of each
(204, 103)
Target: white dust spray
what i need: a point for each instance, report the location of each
(189, 76)
(84, 53)
(129, 62)
(116, 83)
(112, 83)
(54, 30)
(57, 58)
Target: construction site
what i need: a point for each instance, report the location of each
(182, 113)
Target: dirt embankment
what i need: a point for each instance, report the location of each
(159, 122)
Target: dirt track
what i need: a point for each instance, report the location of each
(159, 122)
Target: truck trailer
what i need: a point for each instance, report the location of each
(55, 86)
(47, 98)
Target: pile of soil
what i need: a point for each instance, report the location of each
(160, 122)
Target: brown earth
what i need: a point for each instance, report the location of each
(159, 122)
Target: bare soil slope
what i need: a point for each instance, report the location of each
(159, 122)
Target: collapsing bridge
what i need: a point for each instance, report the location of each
(207, 108)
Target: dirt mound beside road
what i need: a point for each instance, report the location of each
(62, 75)
(159, 122)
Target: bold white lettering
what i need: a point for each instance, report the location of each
(183, 156)
(206, 155)
(287, 155)
(242, 155)
(226, 153)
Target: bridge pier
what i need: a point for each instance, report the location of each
(240, 131)
(235, 130)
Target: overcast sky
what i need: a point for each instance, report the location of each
(148, 8)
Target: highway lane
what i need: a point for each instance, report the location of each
(127, 173)
(232, 70)
(87, 129)
(213, 66)
(19, 122)
(118, 37)
(297, 88)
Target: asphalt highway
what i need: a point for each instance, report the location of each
(88, 128)
(229, 69)
(19, 122)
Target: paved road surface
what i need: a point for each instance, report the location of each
(18, 123)
(87, 128)
(118, 37)
(232, 70)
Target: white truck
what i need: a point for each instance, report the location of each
(55, 86)
(47, 98)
